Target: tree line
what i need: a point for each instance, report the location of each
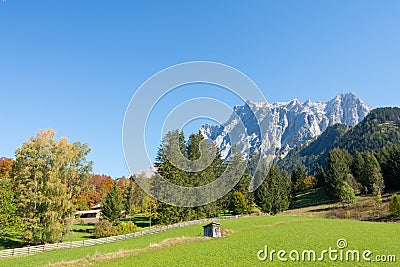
(50, 179)
(272, 196)
(346, 175)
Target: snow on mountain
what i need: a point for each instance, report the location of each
(283, 125)
(148, 173)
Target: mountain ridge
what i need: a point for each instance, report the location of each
(281, 126)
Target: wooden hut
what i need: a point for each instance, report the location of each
(212, 229)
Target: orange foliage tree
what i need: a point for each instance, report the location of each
(97, 188)
(5, 167)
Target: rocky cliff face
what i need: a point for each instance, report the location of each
(266, 127)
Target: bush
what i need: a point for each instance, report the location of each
(394, 205)
(104, 228)
(346, 194)
(126, 228)
(310, 182)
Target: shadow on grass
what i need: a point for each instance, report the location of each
(7, 243)
(139, 221)
(323, 209)
(389, 218)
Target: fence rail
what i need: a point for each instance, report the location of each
(31, 250)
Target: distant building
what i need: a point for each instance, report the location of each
(212, 230)
(96, 207)
(90, 216)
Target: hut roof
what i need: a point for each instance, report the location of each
(212, 223)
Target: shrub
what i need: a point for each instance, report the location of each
(346, 194)
(310, 182)
(104, 228)
(126, 228)
(394, 205)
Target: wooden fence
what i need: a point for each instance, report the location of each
(31, 250)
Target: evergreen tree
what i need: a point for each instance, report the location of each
(112, 206)
(338, 172)
(129, 195)
(172, 145)
(394, 205)
(367, 171)
(357, 168)
(262, 198)
(243, 185)
(371, 173)
(238, 204)
(389, 159)
(298, 177)
(274, 194)
(192, 164)
(320, 175)
(280, 190)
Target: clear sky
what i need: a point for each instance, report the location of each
(74, 65)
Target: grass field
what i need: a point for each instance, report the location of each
(78, 232)
(185, 247)
(309, 198)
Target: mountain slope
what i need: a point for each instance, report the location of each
(284, 125)
(380, 128)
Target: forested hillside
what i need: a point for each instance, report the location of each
(379, 129)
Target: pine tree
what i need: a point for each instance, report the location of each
(389, 160)
(198, 164)
(262, 198)
(298, 178)
(371, 173)
(394, 205)
(357, 169)
(112, 206)
(169, 156)
(338, 171)
(274, 194)
(238, 204)
(129, 195)
(280, 190)
(320, 175)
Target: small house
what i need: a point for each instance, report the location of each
(89, 216)
(212, 229)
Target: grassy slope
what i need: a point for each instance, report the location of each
(238, 249)
(309, 198)
(79, 232)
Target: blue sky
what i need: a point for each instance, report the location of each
(74, 65)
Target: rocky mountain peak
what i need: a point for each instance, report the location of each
(283, 125)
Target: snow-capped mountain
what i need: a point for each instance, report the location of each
(280, 126)
(148, 173)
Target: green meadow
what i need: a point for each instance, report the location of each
(244, 238)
